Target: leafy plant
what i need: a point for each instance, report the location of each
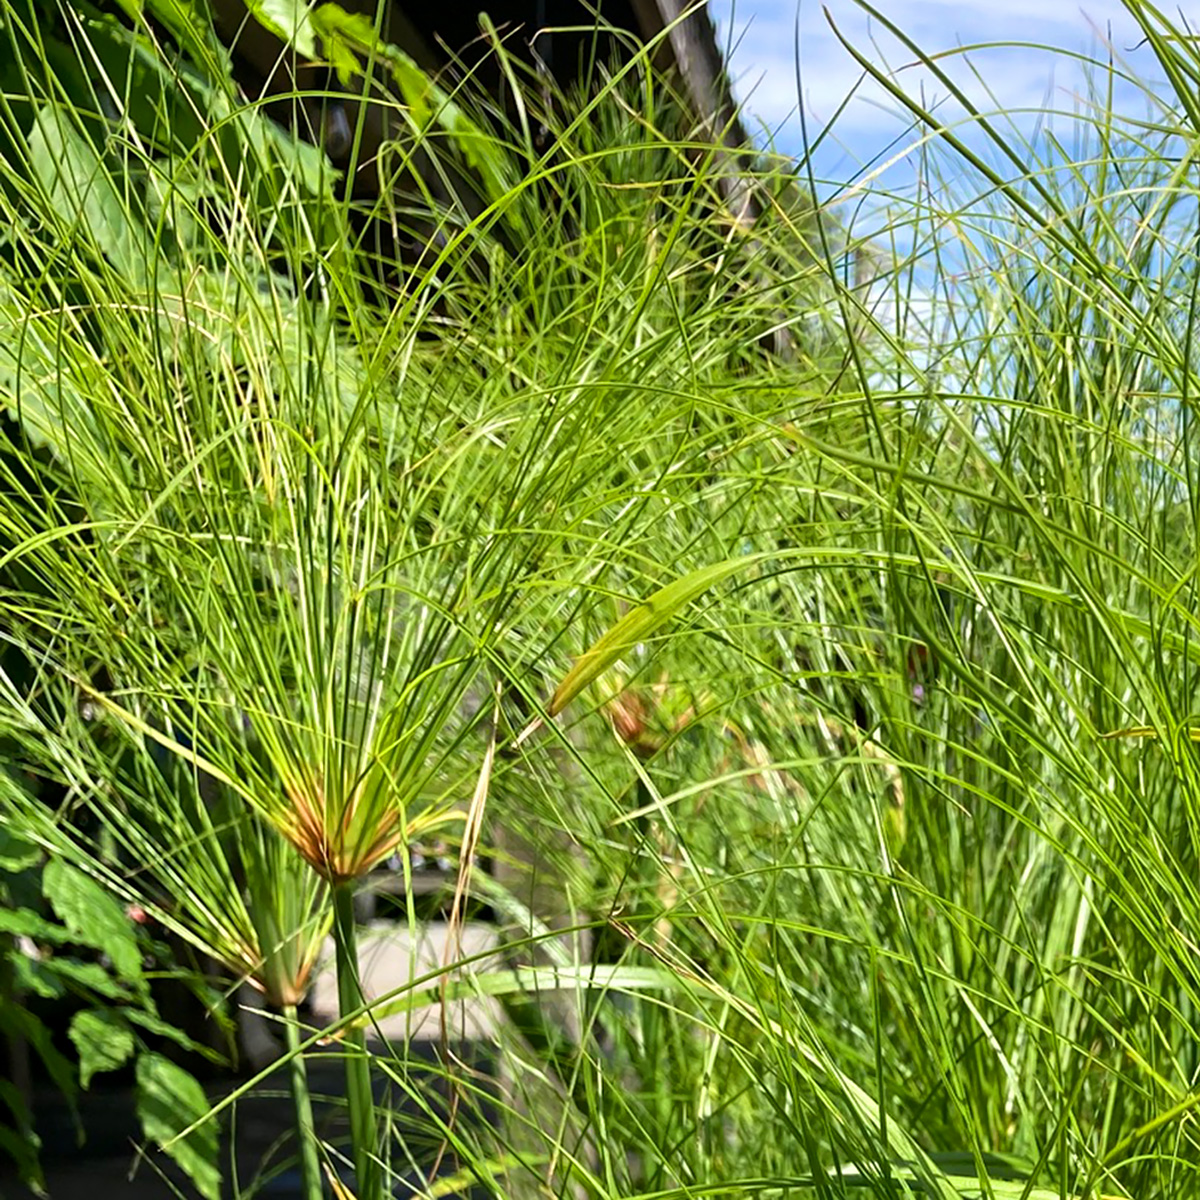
(66, 938)
(797, 667)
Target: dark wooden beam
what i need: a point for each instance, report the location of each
(697, 59)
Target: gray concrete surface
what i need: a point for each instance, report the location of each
(390, 960)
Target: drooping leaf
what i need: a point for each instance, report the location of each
(30, 976)
(641, 623)
(155, 1024)
(93, 917)
(103, 1039)
(21, 922)
(169, 1100)
(288, 20)
(431, 104)
(90, 975)
(20, 1143)
(18, 1021)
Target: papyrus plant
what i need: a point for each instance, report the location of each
(177, 851)
(273, 530)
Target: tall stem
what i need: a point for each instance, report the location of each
(363, 1136)
(306, 1132)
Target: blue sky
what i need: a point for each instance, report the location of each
(764, 61)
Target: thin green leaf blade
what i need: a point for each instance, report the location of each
(641, 623)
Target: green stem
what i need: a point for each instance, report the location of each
(363, 1135)
(306, 1133)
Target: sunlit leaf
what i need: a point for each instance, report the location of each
(93, 917)
(290, 21)
(169, 1100)
(640, 624)
(82, 190)
(103, 1039)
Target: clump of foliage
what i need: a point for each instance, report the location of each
(65, 940)
(797, 657)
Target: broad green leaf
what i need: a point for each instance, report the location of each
(169, 1100)
(90, 975)
(103, 1039)
(20, 922)
(31, 976)
(81, 189)
(430, 103)
(16, 854)
(93, 917)
(164, 99)
(33, 384)
(191, 26)
(641, 623)
(344, 36)
(288, 20)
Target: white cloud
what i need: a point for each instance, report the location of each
(764, 33)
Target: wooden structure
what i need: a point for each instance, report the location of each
(559, 37)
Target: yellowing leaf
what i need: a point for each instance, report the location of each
(1148, 731)
(641, 623)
